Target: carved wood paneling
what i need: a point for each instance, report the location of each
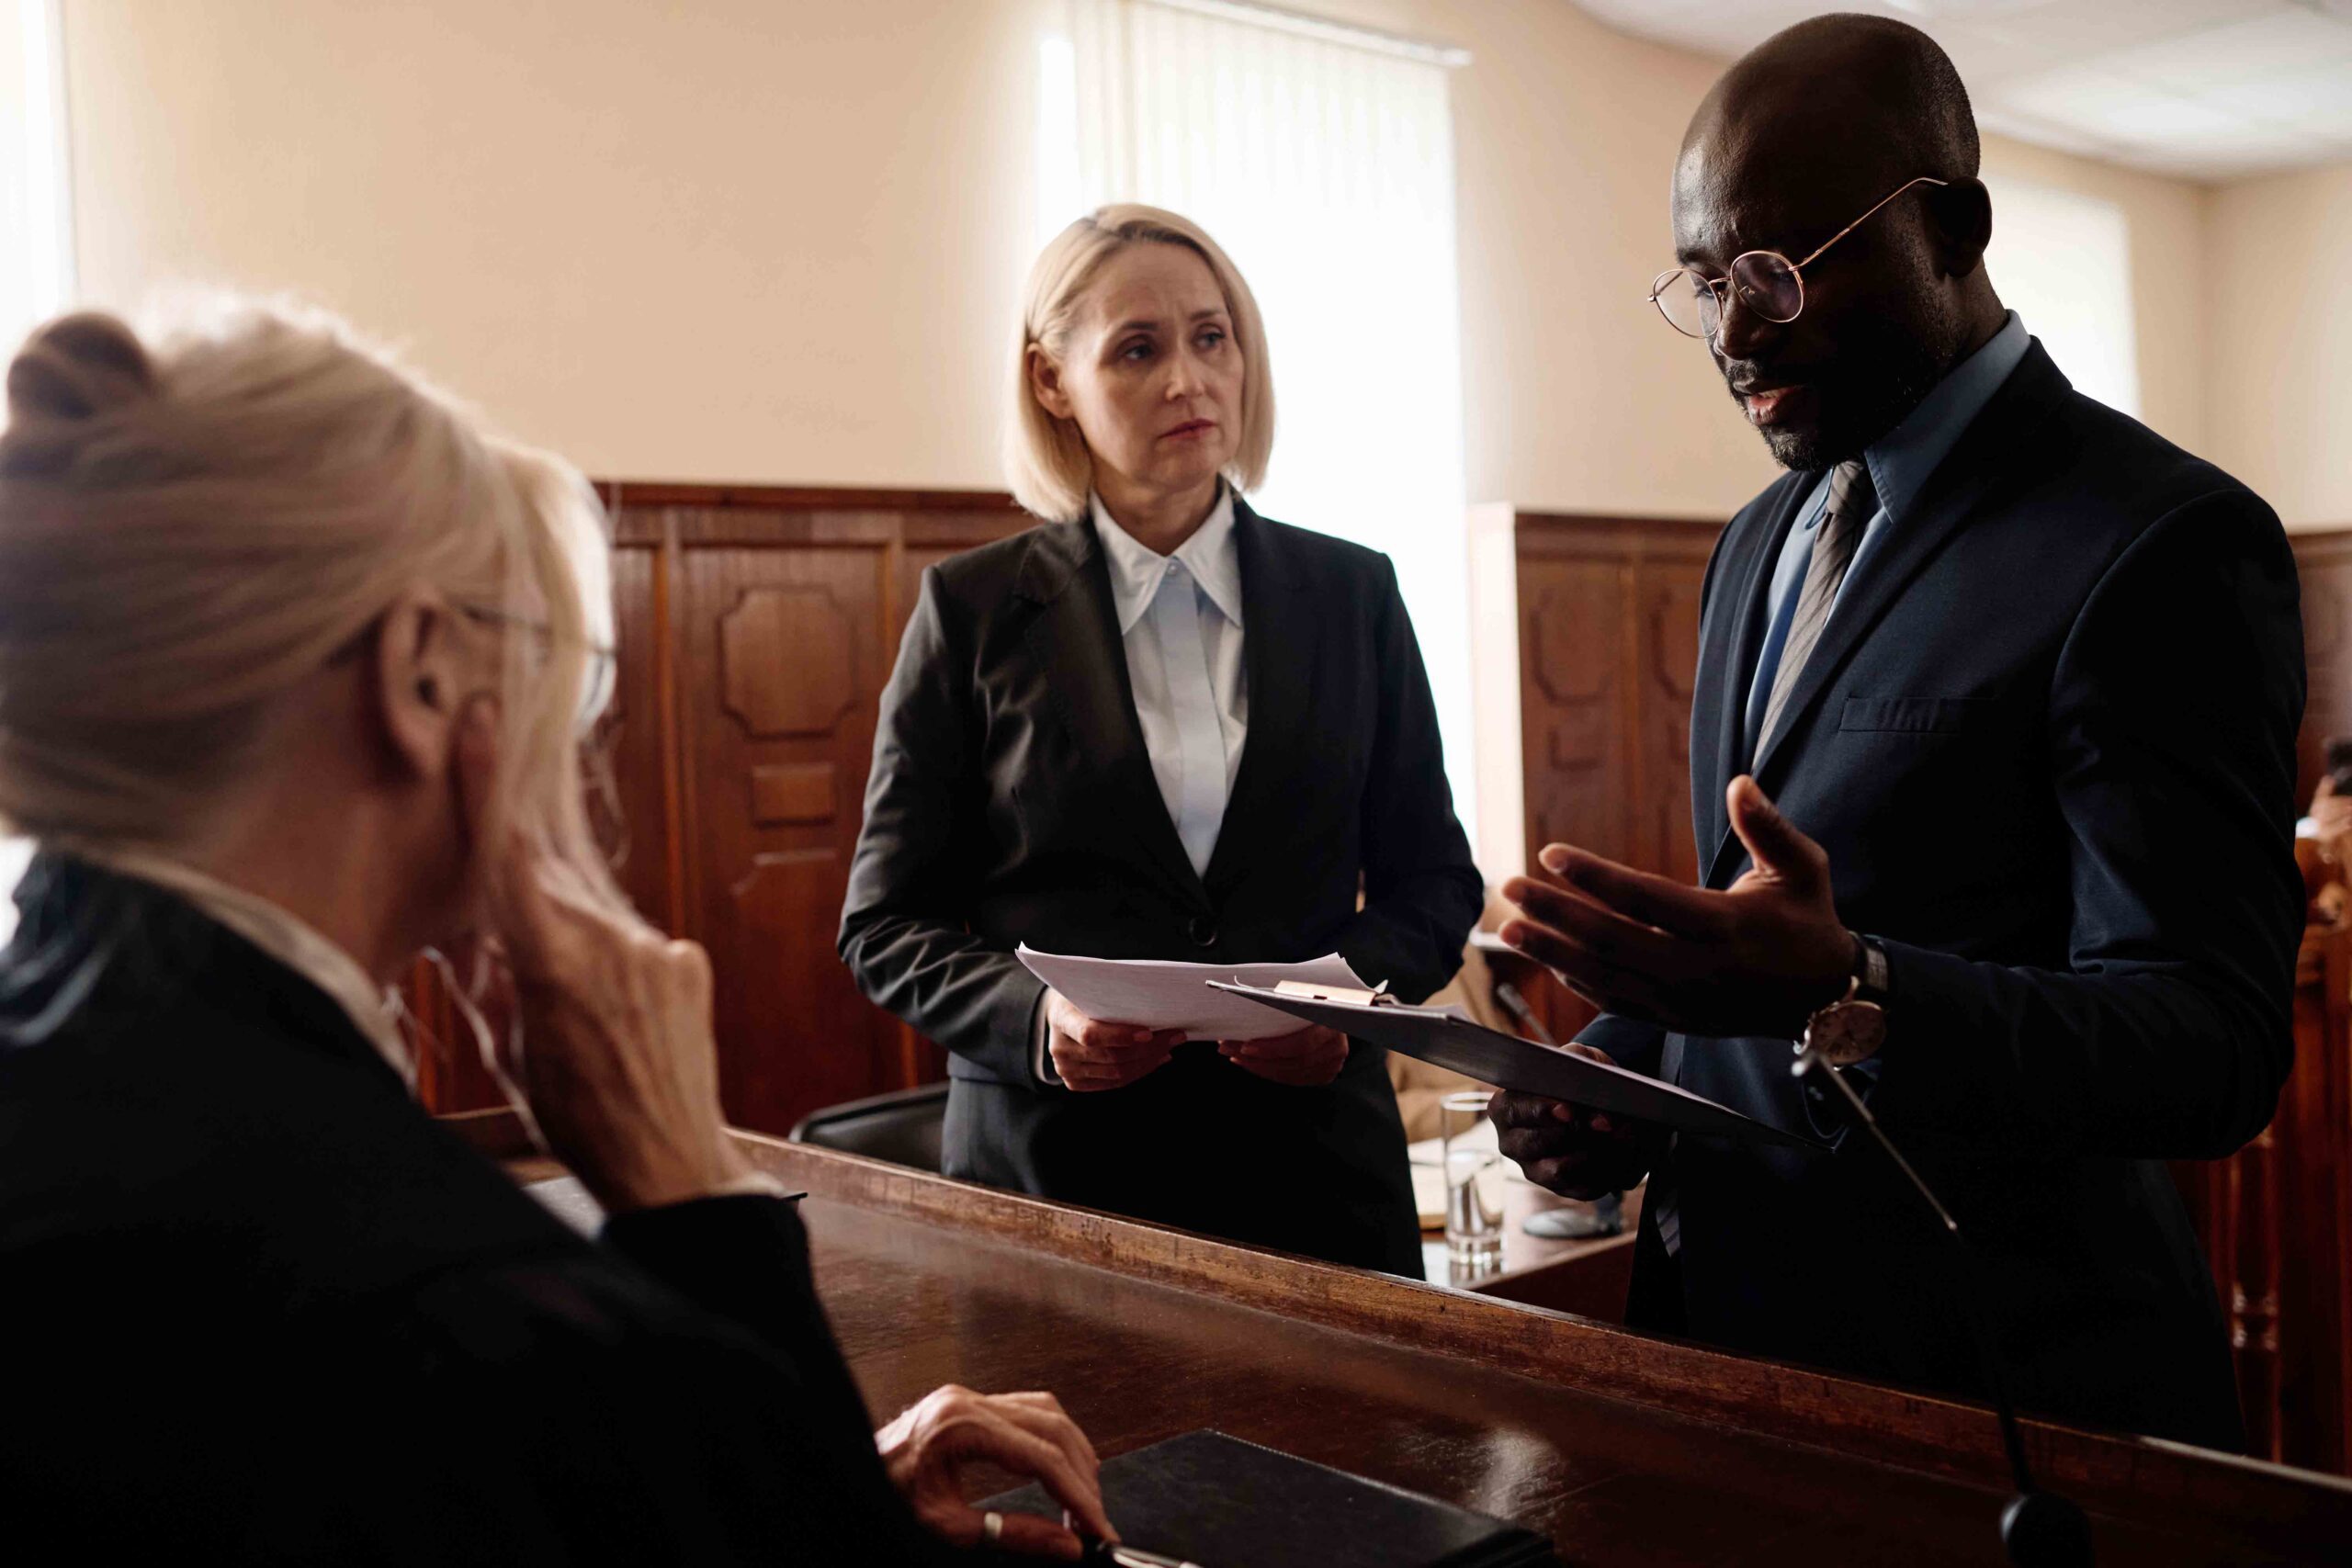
(637, 741)
(1608, 645)
(1571, 700)
(1667, 596)
(755, 629)
(787, 661)
(767, 895)
(787, 793)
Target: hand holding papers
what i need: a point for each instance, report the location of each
(1152, 993)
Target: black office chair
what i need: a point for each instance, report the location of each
(902, 1126)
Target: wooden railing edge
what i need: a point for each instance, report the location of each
(1796, 1405)
(2107, 1472)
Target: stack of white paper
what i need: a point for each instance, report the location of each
(1153, 994)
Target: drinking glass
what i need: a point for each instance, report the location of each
(1473, 1229)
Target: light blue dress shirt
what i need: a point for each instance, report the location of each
(1901, 463)
(1180, 625)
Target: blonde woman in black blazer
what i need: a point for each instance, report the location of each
(1160, 727)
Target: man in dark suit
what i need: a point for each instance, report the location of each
(2024, 681)
(1012, 800)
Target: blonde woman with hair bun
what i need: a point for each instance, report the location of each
(1159, 725)
(295, 663)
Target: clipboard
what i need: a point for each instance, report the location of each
(1509, 1062)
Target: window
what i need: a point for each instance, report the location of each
(36, 264)
(1321, 158)
(2063, 262)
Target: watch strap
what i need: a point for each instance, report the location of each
(1869, 971)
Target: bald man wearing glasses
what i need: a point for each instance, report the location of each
(1992, 766)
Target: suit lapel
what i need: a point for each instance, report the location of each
(1984, 454)
(1074, 640)
(1279, 633)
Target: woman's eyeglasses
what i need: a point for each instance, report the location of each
(1768, 283)
(596, 691)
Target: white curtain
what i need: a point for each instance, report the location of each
(2063, 262)
(1322, 160)
(35, 250)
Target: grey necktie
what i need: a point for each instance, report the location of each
(1852, 501)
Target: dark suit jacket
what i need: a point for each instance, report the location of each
(257, 1307)
(1012, 800)
(2048, 743)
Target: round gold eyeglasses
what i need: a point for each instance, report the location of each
(1768, 283)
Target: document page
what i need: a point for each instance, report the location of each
(1151, 993)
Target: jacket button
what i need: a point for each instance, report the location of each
(1202, 930)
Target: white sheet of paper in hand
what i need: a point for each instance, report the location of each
(1153, 994)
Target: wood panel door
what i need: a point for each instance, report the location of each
(1665, 605)
(1574, 704)
(755, 628)
(1608, 650)
(777, 691)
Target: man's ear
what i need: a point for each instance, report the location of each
(1046, 383)
(1961, 225)
(415, 691)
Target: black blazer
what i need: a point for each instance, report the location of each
(1012, 800)
(257, 1307)
(2048, 742)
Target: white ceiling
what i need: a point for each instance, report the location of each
(2207, 89)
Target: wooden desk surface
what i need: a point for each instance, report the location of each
(1625, 1450)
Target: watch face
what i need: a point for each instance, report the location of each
(1845, 1032)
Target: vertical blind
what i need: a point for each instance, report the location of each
(36, 252)
(1323, 162)
(2063, 262)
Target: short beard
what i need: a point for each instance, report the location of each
(1896, 368)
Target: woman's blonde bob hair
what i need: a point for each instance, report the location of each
(1045, 459)
(194, 522)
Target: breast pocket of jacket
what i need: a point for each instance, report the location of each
(1920, 715)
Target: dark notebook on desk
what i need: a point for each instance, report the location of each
(1223, 1503)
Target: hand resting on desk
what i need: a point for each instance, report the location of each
(927, 1448)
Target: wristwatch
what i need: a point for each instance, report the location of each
(1852, 1028)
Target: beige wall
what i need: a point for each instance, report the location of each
(1577, 394)
(781, 242)
(2280, 301)
(734, 238)
(2167, 223)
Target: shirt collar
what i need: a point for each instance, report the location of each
(1210, 554)
(281, 935)
(1905, 458)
